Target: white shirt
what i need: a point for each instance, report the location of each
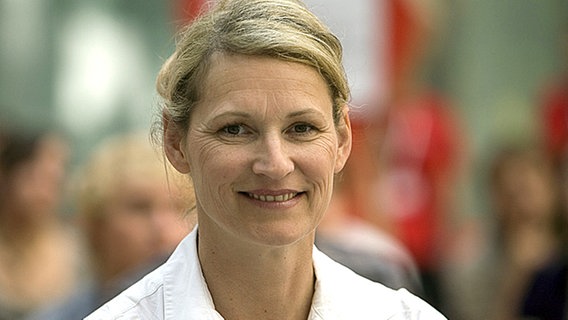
(177, 290)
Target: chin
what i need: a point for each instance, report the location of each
(283, 236)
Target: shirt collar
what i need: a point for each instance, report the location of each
(186, 295)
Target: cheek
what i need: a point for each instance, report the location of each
(126, 229)
(127, 242)
(201, 149)
(117, 241)
(322, 155)
(214, 166)
(318, 164)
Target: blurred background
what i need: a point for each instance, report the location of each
(497, 69)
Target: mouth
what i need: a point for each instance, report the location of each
(272, 198)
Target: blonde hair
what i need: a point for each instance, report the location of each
(119, 158)
(283, 29)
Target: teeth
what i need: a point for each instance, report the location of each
(269, 198)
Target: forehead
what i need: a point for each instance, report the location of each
(234, 73)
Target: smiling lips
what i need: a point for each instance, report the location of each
(273, 198)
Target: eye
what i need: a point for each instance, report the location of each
(138, 207)
(233, 129)
(302, 129)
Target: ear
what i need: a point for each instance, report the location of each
(173, 139)
(344, 139)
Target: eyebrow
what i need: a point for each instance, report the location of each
(304, 112)
(232, 114)
(248, 115)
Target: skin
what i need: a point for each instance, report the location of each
(263, 140)
(36, 255)
(37, 183)
(144, 218)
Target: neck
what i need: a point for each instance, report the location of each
(258, 282)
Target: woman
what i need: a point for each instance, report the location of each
(525, 198)
(124, 196)
(255, 110)
(39, 261)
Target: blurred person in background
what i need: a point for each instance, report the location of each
(546, 297)
(518, 237)
(133, 209)
(39, 261)
(413, 153)
(419, 167)
(554, 107)
(362, 246)
(524, 194)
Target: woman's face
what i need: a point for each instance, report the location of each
(141, 220)
(262, 149)
(525, 193)
(35, 186)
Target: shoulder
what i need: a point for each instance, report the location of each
(342, 293)
(79, 304)
(409, 306)
(372, 254)
(143, 298)
(546, 296)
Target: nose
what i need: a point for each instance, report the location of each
(272, 159)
